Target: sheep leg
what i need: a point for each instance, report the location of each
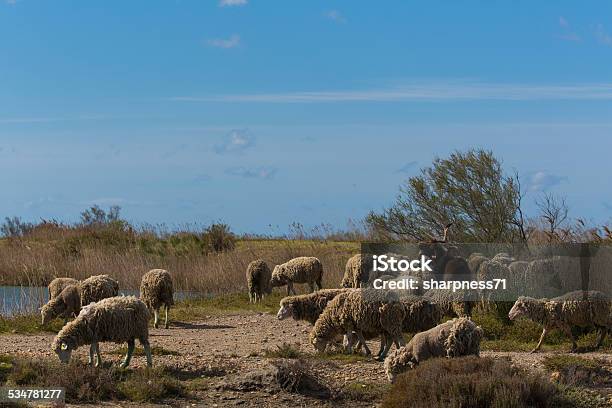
(147, 349)
(349, 342)
(128, 356)
(312, 287)
(290, 289)
(156, 314)
(387, 345)
(166, 321)
(362, 340)
(98, 356)
(92, 349)
(540, 342)
(603, 331)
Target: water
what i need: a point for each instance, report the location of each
(29, 299)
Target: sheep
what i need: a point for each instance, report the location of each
(156, 291)
(258, 277)
(503, 258)
(360, 311)
(66, 304)
(304, 269)
(117, 319)
(307, 307)
(69, 304)
(446, 265)
(474, 261)
(458, 303)
(578, 308)
(454, 338)
(357, 271)
(421, 313)
(56, 286)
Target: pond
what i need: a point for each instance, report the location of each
(28, 299)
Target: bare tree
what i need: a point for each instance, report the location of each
(553, 212)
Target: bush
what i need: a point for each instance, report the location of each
(84, 383)
(471, 382)
(219, 238)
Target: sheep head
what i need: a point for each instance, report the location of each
(521, 308)
(63, 350)
(285, 311)
(278, 278)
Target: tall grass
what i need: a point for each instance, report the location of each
(210, 261)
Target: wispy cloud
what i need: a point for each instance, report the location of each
(542, 181)
(426, 91)
(232, 3)
(11, 2)
(263, 173)
(237, 141)
(335, 15)
(231, 42)
(602, 35)
(568, 34)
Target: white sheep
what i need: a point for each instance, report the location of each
(578, 308)
(118, 319)
(304, 269)
(258, 277)
(156, 290)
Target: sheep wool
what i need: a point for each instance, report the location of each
(258, 277)
(307, 307)
(58, 284)
(574, 309)
(156, 290)
(454, 338)
(304, 269)
(118, 319)
(67, 304)
(357, 271)
(457, 304)
(360, 311)
(96, 288)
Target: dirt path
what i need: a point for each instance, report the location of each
(224, 346)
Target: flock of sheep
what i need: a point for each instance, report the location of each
(341, 318)
(102, 315)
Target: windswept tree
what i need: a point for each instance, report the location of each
(469, 189)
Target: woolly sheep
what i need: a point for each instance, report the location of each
(503, 258)
(306, 307)
(474, 262)
(359, 311)
(357, 271)
(454, 338)
(578, 308)
(92, 289)
(304, 269)
(258, 277)
(58, 284)
(156, 290)
(66, 304)
(458, 303)
(118, 319)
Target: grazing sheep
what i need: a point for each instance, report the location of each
(58, 284)
(118, 319)
(68, 304)
(458, 303)
(96, 288)
(455, 338)
(258, 277)
(578, 308)
(421, 313)
(156, 291)
(306, 307)
(357, 271)
(503, 258)
(360, 311)
(304, 269)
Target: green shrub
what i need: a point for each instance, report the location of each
(471, 382)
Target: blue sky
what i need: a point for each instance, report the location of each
(261, 113)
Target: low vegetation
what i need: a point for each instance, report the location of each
(472, 382)
(86, 384)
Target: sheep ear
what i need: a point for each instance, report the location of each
(64, 346)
